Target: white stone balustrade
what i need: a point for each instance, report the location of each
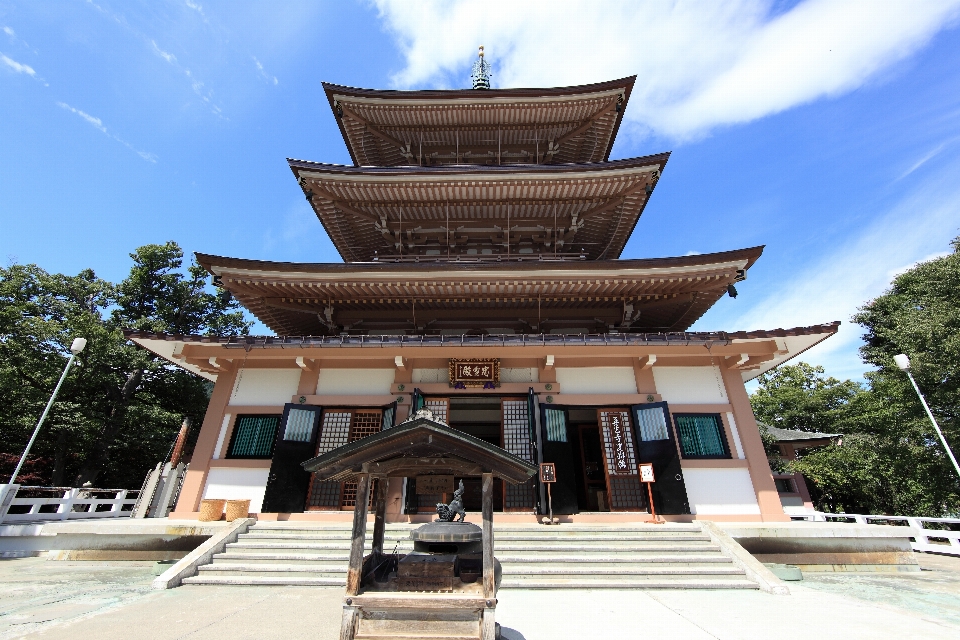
(947, 540)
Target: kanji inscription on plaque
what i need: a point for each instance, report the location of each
(474, 372)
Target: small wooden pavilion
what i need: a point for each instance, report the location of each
(421, 446)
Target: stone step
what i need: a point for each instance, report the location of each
(616, 559)
(514, 571)
(652, 582)
(282, 571)
(291, 556)
(607, 548)
(266, 581)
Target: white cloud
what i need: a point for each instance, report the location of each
(169, 57)
(699, 65)
(98, 124)
(193, 5)
(9, 32)
(16, 66)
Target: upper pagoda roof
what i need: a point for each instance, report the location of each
(498, 211)
(488, 126)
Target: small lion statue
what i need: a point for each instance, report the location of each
(449, 512)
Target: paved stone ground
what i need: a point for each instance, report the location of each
(42, 599)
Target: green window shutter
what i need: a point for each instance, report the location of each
(253, 437)
(701, 436)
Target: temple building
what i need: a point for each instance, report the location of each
(481, 232)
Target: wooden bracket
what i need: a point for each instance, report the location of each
(398, 360)
(221, 364)
(647, 361)
(548, 362)
(307, 364)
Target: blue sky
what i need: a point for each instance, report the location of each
(827, 131)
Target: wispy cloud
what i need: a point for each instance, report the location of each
(263, 74)
(698, 66)
(193, 5)
(18, 67)
(98, 124)
(927, 157)
(832, 287)
(169, 57)
(7, 30)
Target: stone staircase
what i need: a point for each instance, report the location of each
(533, 557)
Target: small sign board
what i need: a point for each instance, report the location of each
(646, 472)
(548, 472)
(433, 485)
(474, 372)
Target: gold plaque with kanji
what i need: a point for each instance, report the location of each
(474, 372)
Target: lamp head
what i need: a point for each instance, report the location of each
(902, 361)
(78, 345)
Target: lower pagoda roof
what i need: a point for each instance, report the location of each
(474, 297)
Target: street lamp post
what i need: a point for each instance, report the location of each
(904, 363)
(75, 348)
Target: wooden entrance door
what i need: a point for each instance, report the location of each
(288, 483)
(625, 491)
(518, 438)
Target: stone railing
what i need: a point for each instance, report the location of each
(934, 535)
(19, 504)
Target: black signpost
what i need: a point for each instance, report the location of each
(548, 475)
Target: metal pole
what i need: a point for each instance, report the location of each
(43, 417)
(934, 421)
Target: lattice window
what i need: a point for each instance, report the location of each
(556, 425)
(365, 423)
(652, 425)
(618, 442)
(440, 408)
(520, 496)
(701, 436)
(299, 425)
(516, 429)
(335, 432)
(627, 494)
(253, 437)
(388, 417)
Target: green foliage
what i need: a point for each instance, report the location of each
(800, 397)
(120, 408)
(890, 461)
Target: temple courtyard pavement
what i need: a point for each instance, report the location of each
(41, 599)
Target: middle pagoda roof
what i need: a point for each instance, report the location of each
(558, 211)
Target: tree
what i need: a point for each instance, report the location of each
(800, 397)
(891, 461)
(117, 389)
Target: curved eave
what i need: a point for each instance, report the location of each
(493, 96)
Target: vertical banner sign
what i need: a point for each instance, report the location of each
(617, 431)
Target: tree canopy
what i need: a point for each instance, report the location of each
(890, 460)
(120, 408)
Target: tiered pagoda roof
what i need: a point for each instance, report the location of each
(481, 211)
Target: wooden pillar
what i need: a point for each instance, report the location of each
(379, 511)
(359, 535)
(489, 584)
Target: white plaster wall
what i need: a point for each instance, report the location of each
(519, 374)
(354, 382)
(690, 385)
(597, 380)
(720, 492)
(431, 375)
(237, 484)
(265, 387)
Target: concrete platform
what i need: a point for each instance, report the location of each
(44, 600)
(107, 539)
(827, 546)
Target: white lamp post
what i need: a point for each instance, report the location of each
(75, 348)
(904, 363)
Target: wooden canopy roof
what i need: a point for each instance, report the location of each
(555, 210)
(488, 127)
(420, 446)
(663, 294)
